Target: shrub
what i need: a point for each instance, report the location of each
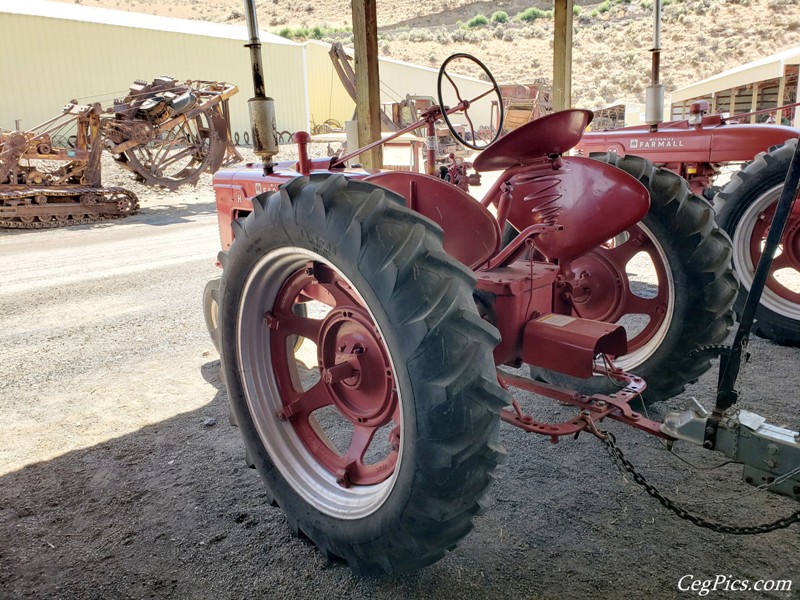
(419, 34)
(576, 11)
(531, 14)
(443, 36)
(604, 7)
(500, 16)
(477, 21)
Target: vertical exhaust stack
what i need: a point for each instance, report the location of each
(262, 108)
(654, 95)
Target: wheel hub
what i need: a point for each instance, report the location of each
(355, 368)
(598, 288)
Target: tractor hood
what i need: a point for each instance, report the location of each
(713, 141)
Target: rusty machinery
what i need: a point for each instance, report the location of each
(166, 132)
(368, 324)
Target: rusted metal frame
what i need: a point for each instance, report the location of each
(91, 132)
(68, 113)
(341, 63)
(195, 111)
(593, 408)
(228, 89)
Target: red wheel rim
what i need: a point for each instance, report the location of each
(788, 256)
(600, 288)
(355, 375)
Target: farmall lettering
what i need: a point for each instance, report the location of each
(655, 143)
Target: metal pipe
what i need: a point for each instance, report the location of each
(654, 94)
(262, 108)
(255, 48)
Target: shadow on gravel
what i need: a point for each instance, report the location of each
(171, 511)
(174, 213)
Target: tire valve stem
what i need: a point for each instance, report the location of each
(343, 478)
(270, 320)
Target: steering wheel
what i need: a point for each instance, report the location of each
(474, 142)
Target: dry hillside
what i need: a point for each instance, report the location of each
(612, 38)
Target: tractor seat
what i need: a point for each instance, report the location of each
(556, 133)
(471, 234)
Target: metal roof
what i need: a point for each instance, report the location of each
(770, 67)
(120, 18)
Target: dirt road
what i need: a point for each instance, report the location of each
(121, 478)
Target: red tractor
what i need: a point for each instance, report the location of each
(369, 325)
(697, 148)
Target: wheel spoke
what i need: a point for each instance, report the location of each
(316, 397)
(455, 87)
(359, 444)
(292, 324)
(341, 294)
(621, 255)
(471, 126)
(336, 288)
(636, 305)
(483, 95)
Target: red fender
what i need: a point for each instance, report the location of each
(471, 234)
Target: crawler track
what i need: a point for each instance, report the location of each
(43, 208)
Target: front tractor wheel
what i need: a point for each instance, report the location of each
(372, 415)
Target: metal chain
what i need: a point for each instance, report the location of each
(623, 463)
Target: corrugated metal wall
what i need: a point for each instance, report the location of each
(45, 62)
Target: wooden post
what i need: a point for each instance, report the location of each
(754, 101)
(796, 119)
(562, 55)
(781, 94)
(368, 98)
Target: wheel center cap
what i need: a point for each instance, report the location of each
(598, 289)
(355, 367)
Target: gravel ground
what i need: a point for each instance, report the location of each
(121, 478)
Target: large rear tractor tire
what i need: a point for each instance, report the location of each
(378, 436)
(747, 206)
(668, 320)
